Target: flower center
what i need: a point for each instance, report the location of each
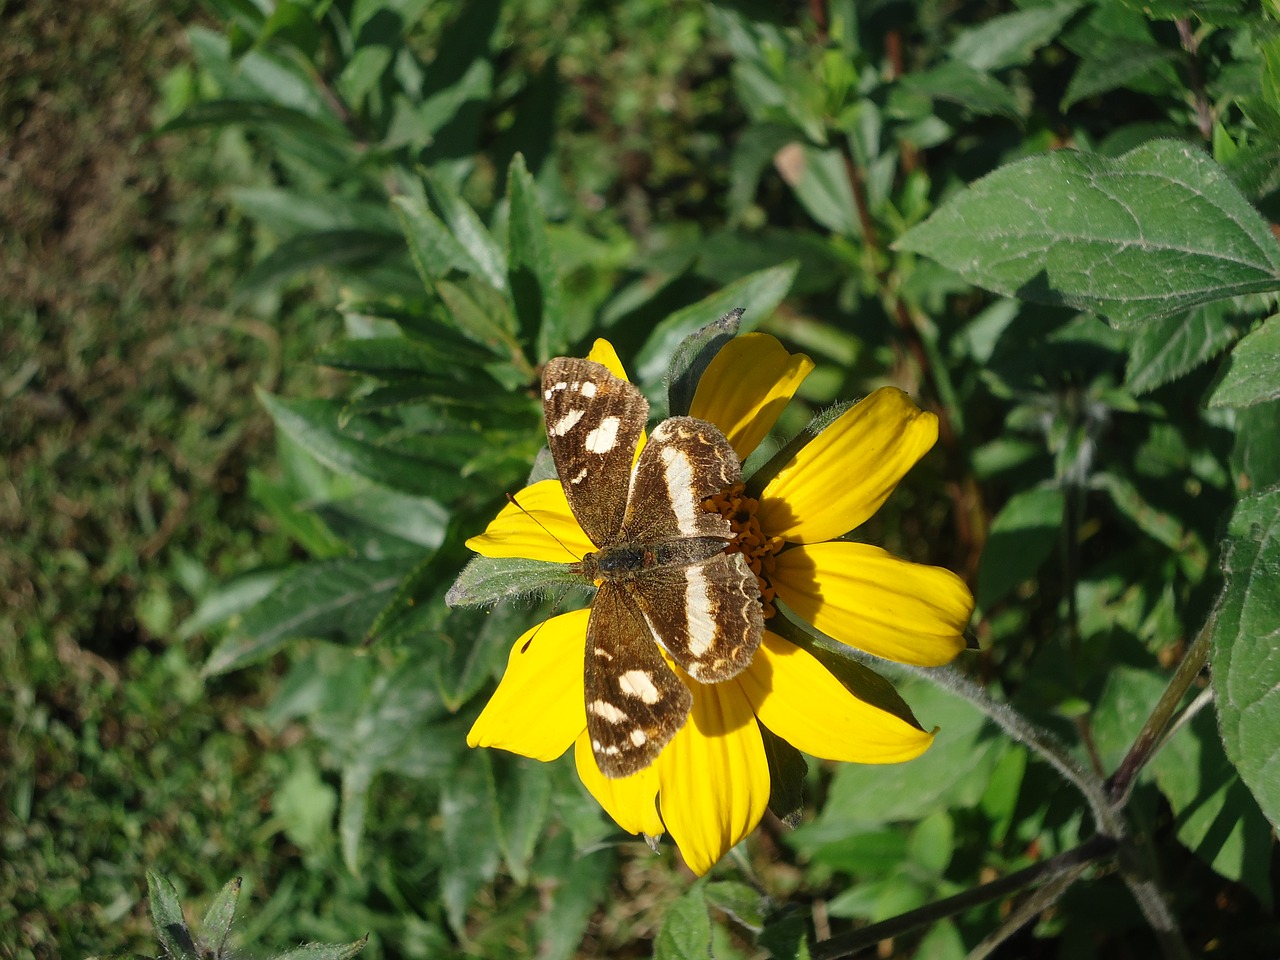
(748, 539)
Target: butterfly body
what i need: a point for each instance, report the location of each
(664, 580)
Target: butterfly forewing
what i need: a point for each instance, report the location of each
(635, 703)
(594, 421)
(685, 461)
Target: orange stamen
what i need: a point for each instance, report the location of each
(748, 539)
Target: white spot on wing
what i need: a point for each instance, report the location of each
(639, 738)
(697, 604)
(603, 437)
(638, 683)
(588, 389)
(606, 711)
(579, 476)
(566, 423)
(678, 474)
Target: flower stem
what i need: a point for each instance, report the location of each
(1073, 861)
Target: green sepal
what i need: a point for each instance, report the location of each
(843, 663)
(693, 356)
(166, 913)
(487, 580)
(787, 770)
(216, 926)
(756, 483)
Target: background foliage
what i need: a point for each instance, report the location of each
(221, 662)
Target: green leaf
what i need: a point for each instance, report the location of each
(324, 248)
(787, 769)
(1012, 39)
(166, 915)
(820, 180)
(215, 929)
(1253, 374)
(692, 358)
(577, 882)
(741, 902)
(1117, 63)
(222, 113)
(521, 791)
(758, 293)
(1246, 670)
(489, 579)
(313, 425)
(1161, 525)
(432, 245)
(335, 599)
(686, 929)
(535, 284)
(1023, 535)
(392, 358)
(468, 828)
(1169, 347)
(787, 938)
(1255, 457)
(325, 951)
(229, 599)
(1156, 231)
(957, 82)
(1216, 817)
(470, 232)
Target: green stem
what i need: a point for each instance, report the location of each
(1073, 861)
(1150, 736)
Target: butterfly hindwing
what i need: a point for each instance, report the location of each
(706, 614)
(635, 703)
(594, 421)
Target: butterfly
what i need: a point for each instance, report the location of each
(664, 579)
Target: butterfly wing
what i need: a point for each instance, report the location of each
(635, 703)
(594, 421)
(702, 605)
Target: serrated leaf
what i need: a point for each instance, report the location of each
(1246, 631)
(758, 293)
(686, 929)
(1169, 347)
(470, 232)
(166, 915)
(1119, 63)
(521, 792)
(1252, 375)
(215, 929)
(1158, 230)
(314, 426)
(469, 831)
(534, 282)
(335, 599)
(1023, 535)
(489, 579)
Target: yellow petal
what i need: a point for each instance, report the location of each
(541, 528)
(602, 352)
(538, 709)
(745, 387)
(868, 598)
(844, 474)
(631, 801)
(797, 698)
(715, 777)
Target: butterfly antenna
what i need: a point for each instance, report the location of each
(516, 503)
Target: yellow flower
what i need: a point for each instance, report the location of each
(710, 786)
